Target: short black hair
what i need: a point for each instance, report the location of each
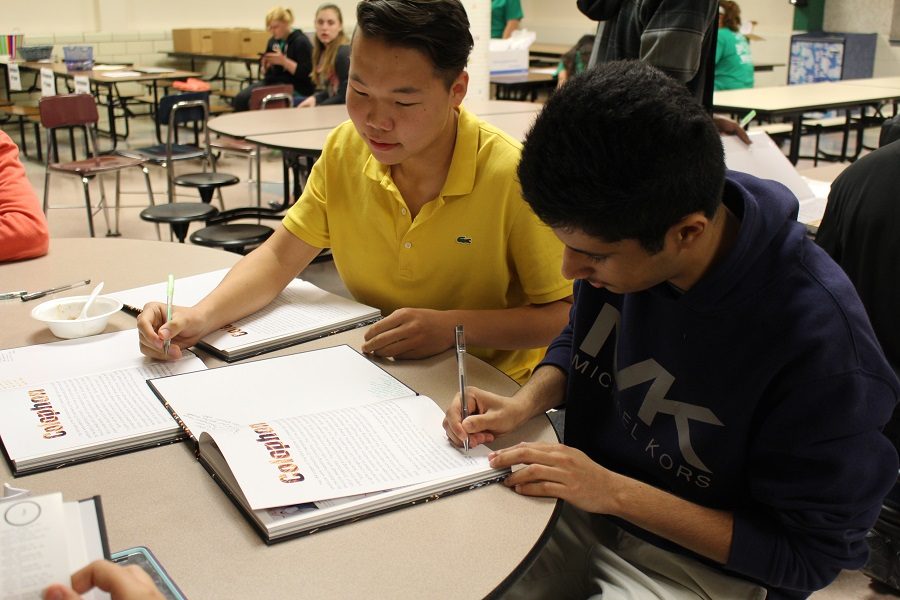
(439, 29)
(622, 152)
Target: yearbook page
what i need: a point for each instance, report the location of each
(285, 386)
(311, 440)
(329, 454)
(77, 399)
(764, 159)
(299, 313)
(43, 540)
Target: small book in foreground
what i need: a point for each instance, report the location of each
(300, 313)
(312, 440)
(43, 540)
(82, 399)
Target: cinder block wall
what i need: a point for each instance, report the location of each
(142, 48)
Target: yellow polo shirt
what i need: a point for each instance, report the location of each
(477, 245)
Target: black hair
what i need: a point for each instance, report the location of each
(437, 28)
(579, 54)
(622, 152)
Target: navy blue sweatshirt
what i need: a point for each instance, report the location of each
(761, 390)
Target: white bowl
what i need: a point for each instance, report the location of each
(61, 314)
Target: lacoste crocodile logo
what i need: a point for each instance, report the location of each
(463, 239)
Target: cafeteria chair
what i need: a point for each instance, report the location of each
(80, 111)
(178, 110)
(261, 98)
(179, 215)
(220, 232)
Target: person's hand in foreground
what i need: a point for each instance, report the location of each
(410, 333)
(729, 127)
(122, 583)
(184, 330)
(490, 415)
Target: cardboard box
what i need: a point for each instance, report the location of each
(508, 61)
(227, 42)
(253, 42)
(192, 40)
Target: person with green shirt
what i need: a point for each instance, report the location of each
(505, 17)
(576, 60)
(734, 64)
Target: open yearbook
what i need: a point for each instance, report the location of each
(763, 158)
(312, 440)
(300, 313)
(44, 540)
(82, 399)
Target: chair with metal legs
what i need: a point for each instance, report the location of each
(262, 98)
(179, 215)
(80, 111)
(175, 111)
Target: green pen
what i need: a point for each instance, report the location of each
(747, 118)
(170, 291)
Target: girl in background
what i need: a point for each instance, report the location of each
(287, 59)
(734, 65)
(330, 58)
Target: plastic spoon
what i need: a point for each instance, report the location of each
(87, 305)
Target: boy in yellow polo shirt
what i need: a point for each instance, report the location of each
(420, 204)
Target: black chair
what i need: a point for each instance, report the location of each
(179, 215)
(220, 232)
(191, 108)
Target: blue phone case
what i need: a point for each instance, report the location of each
(143, 558)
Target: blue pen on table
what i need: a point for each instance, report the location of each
(747, 118)
(461, 367)
(170, 291)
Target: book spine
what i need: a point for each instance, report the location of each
(175, 416)
(101, 524)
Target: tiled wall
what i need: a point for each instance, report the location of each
(142, 48)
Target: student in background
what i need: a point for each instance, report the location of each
(724, 391)
(331, 58)
(678, 37)
(576, 60)
(506, 15)
(23, 227)
(859, 231)
(287, 59)
(122, 583)
(734, 64)
(419, 202)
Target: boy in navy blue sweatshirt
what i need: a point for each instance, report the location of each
(724, 390)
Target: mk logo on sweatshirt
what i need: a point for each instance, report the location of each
(655, 402)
